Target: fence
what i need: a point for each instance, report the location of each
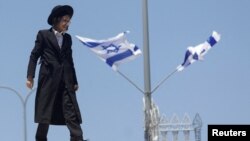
(161, 126)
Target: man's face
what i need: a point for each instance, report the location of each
(63, 23)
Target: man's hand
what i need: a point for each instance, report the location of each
(76, 87)
(30, 83)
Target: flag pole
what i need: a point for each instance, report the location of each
(165, 79)
(147, 81)
(124, 76)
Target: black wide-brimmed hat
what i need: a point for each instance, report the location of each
(60, 10)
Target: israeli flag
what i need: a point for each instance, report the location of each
(196, 53)
(114, 51)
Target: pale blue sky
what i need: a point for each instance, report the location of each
(216, 88)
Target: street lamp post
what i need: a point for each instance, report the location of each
(24, 103)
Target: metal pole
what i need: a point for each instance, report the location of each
(24, 112)
(129, 80)
(24, 103)
(147, 81)
(165, 79)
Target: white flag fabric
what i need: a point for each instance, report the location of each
(113, 51)
(196, 53)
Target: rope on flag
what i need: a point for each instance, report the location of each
(114, 51)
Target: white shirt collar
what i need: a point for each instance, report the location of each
(59, 37)
(58, 33)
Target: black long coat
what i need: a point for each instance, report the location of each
(56, 66)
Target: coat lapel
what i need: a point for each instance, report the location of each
(65, 43)
(53, 40)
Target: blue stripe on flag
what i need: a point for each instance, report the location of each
(188, 53)
(135, 48)
(211, 41)
(91, 44)
(110, 61)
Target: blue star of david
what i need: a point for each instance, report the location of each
(111, 48)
